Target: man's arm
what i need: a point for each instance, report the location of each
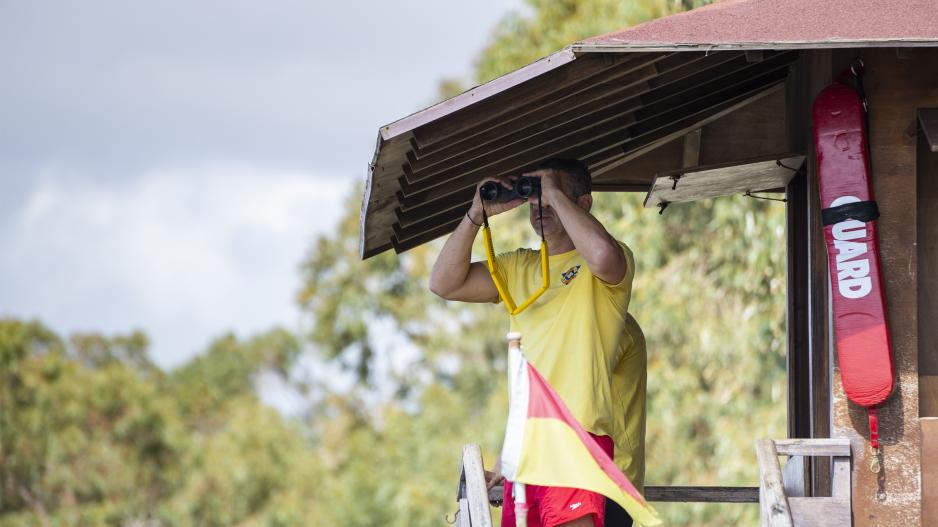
(603, 254)
(454, 277)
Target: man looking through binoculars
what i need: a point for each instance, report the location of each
(578, 334)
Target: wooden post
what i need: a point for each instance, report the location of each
(476, 493)
(772, 501)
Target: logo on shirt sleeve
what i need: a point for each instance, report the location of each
(569, 275)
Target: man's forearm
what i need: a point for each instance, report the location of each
(602, 252)
(452, 265)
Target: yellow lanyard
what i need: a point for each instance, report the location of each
(497, 276)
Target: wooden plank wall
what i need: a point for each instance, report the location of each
(929, 468)
(898, 82)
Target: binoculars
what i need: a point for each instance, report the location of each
(522, 188)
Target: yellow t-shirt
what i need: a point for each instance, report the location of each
(581, 338)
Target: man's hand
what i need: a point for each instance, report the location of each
(491, 208)
(454, 275)
(551, 184)
(494, 477)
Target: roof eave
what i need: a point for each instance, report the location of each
(627, 47)
(479, 93)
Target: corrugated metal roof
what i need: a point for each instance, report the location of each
(768, 24)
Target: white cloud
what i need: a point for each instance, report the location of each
(184, 253)
(108, 89)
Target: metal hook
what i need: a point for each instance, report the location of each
(663, 205)
(875, 463)
(675, 179)
(749, 194)
(857, 67)
(778, 162)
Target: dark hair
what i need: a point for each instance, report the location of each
(576, 169)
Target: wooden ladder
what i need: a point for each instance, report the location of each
(782, 498)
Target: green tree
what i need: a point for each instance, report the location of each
(92, 433)
(79, 445)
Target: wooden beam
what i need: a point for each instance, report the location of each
(756, 175)
(380, 198)
(615, 85)
(487, 91)
(929, 473)
(502, 138)
(840, 477)
(506, 98)
(418, 201)
(820, 512)
(813, 447)
(695, 119)
(815, 72)
(401, 245)
(691, 157)
(750, 145)
(666, 156)
(749, 132)
(773, 503)
(797, 129)
(627, 152)
(702, 494)
(928, 121)
(664, 78)
(619, 82)
(797, 356)
(476, 493)
(926, 168)
(676, 494)
(655, 114)
(608, 129)
(836, 44)
(409, 229)
(793, 476)
(415, 208)
(440, 206)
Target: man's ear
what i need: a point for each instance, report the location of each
(585, 201)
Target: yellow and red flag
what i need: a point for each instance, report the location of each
(545, 445)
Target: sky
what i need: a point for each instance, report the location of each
(165, 166)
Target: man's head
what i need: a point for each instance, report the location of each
(577, 184)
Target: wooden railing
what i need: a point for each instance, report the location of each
(474, 500)
(783, 502)
(781, 492)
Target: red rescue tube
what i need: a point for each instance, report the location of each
(850, 231)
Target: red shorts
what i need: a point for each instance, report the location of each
(550, 506)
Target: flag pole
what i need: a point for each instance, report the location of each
(521, 504)
(518, 489)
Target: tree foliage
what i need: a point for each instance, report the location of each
(92, 433)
